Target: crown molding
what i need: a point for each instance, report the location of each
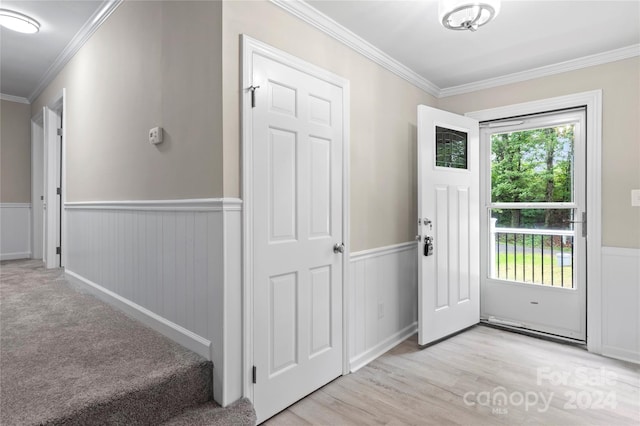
(12, 98)
(315, 18)
(319, 20)
(81, 37)
(572, 65)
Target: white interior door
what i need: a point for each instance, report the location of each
(448, 221)
(297, 151)
(53, 187)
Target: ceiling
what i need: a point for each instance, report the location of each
(525, 35)
(26, 58)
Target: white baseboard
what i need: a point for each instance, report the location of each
(621, 354)
(382, 347)
(173, 331)
(15, 256)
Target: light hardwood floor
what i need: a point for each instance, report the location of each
(465, 379)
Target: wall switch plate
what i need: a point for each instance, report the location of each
(155, 135)
(635, 197)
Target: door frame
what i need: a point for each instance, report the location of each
(249, 47)
(37, 186)
(53, 169)
(592, 101)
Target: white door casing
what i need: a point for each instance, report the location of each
(592, 101)
(294, 215)
(448, 212)
(37, 186)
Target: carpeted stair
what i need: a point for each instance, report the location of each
(68, 358)
(211, 414)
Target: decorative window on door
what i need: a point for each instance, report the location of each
(451, 148)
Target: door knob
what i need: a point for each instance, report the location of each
(338, 248)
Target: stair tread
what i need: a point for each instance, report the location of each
(239, 413)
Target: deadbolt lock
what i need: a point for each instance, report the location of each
(428, 245)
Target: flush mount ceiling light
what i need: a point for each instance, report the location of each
(467, 14)
(18, 22)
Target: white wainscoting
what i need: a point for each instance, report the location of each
(621, 303)
(15, 231)
(383, 300)
(388, 276)
(174, 265)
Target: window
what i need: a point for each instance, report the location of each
(451, 148)
(532, 208)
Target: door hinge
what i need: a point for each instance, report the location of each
(59, 132)
(254, 374)
(59, 191)
(58, 250)
(253, 95)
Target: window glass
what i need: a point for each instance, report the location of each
(533, 165)
(451, 148)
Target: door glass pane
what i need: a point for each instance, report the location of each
(532, 246)
(451, 148)
(533, 165)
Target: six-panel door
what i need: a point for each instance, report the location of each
(297, 156)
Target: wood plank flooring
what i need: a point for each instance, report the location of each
(483, 376)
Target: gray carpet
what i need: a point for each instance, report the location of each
(240, 413)
(68, 358)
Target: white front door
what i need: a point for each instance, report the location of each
(448, 224)
(297, 152)
(534, 198)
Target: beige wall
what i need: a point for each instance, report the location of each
(383, 120)
(129, 78)
(150, 64)
(183, 74)
(15, 152)
(620, 84)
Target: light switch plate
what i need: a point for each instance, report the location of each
(635, 197)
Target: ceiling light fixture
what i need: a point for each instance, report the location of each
(467, 14)
(18, 22)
